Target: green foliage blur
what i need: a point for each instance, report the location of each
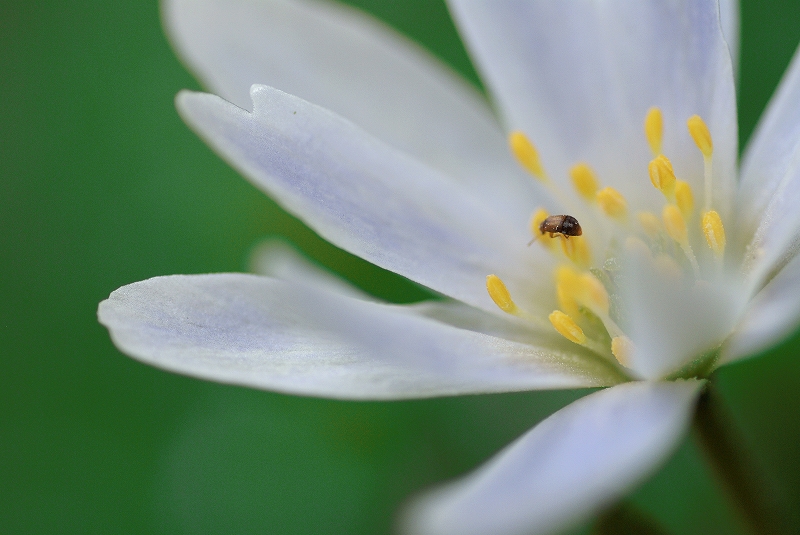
(101, 185)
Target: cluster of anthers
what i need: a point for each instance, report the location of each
(589, 305)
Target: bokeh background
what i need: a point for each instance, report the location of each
(101, 185)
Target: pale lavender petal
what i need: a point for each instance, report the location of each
(578, 77)
(269, 334)
(769, 194)
(277, 259)
(369, 198)
(577, 461)
(771, 316)
(347, 62)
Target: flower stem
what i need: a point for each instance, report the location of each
(727, 453)
(625, 519)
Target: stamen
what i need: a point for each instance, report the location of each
(700, 134)
(662, 176)
(577, 250)
(566, 281)
(650, 223)
(592, 294)
(622, 348)
(567, 327)
(536, 220)
(584, 180)
(715, 232)
(684, 198)
(500, 295)
(612, 203)
(702, 138)
(527, 155)
(654, 129)
(676, 228)
(675, 224)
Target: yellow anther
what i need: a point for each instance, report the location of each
(654, 129)
(500, 295)
(526, 154)
(612, 203)
(567, 327)
(675, 224)
(622, 348)
(577, 250)
(566, 286)
(684, 198)
(650, 223)
(714, 231)
(676, 228)
(662, 176)
(592, 294)
(584, 180)
(536, 220)
(702, 137)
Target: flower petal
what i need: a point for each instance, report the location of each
(769, 193)
(568, 467)
(265, 333)
(770, 316)
(578, 77)
(277, 259)
(676, 321)
(730, 18)
(366, 197)
(349, 63)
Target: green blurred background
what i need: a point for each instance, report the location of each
(101, 185)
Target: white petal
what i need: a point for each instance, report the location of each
(366, 197)
(730, 18)
(269, 334)
(770, 188)
(579, 77)
(565, 469)
(345, 61)
(672, 321)
(277, 259)
(771, 316)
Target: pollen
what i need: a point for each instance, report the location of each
(567, 327)
(500, 294)
(622, 348)
(684, 198)
(700, 134)
(654, 129)
(526, 154)
(612, 203)
(584, 180)
(662, 176)
(714, 232)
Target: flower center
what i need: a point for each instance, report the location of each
(587, 285)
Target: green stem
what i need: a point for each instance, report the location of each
(734, 467)
(625, 519)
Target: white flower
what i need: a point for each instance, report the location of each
(422, 183)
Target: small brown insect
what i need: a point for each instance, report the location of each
(566, 225)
